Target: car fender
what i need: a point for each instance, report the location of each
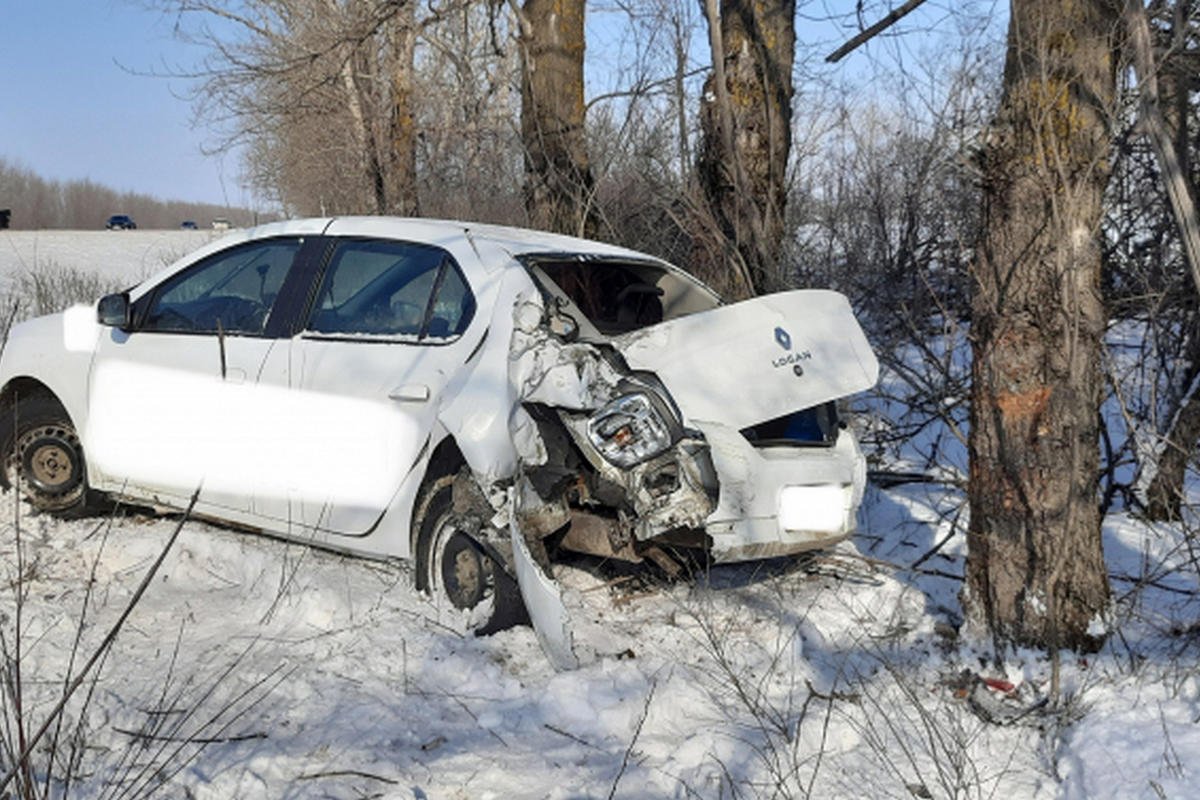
(56, 351)
(482, 406)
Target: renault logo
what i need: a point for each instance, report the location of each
(785, 340)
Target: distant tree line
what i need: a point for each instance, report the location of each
(83, 204)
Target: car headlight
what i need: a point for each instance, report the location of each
(630, 430)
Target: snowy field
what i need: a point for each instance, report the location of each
(255, 668)
(122, 257)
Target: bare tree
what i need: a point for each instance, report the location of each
(1035, 566)
(401, 38)
(746, 118)
(39, 203)
(321, 90)
(1165, 120)
(558, 178)
(468, 145)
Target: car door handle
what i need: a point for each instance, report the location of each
(410, 392)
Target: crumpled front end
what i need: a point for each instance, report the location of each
(691, 434)
(628, 463)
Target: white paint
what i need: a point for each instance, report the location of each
(80, 329)
(728, 365)
(543, 600)
(179, 430)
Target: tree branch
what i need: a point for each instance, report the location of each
(1182, 203)
(879, 27)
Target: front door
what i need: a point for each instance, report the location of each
(173, 403)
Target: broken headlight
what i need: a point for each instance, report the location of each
(631, 429)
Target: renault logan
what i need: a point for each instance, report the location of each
(468, 396)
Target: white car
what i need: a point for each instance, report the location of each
(470, 396)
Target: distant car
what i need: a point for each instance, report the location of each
(188, 225)
(221, 224)
(121, 222)
(460, 394)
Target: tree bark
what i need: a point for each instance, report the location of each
(372, 177)
(1164, 495)
(1035, 564)
(558, 178)
(746, 118)
(402, 172)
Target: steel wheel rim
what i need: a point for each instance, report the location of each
(465, 579)
(50, 463)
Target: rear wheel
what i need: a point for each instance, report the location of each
(456, 568)
(42, 452)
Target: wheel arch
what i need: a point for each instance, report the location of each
(445, 460)
(25, 386)
(22, 386)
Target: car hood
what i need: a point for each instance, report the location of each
(759, 359)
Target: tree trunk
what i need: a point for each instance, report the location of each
(402, 166)
(558, 179)
(1035, 563)
(1169, 137)
(681, 42)
(1164, 495)
(373, 198)
(746, 118)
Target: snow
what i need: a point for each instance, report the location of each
(124, 257)
(320, 675)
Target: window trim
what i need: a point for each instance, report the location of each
(318, 280)
(141, 306)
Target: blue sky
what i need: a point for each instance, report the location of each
(74, 106)
(71, 111)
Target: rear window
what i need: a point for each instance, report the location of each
(615, 297)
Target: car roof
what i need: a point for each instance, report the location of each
(517, 241)
(493, 246)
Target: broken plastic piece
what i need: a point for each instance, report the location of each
(543, 600)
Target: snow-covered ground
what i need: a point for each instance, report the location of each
(256, 668)
(122, 257)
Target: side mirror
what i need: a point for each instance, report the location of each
(113, 310)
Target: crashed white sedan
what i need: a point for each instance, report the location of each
(469, 396)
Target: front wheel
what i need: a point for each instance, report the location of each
(42, 453)
(455, 568)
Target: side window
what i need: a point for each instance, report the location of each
(392, 289)
(452, 309)
(234, 290)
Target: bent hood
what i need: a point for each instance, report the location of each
(759, 359)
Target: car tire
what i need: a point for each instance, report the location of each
(455, 568)
(41, 450)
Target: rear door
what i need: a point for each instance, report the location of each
(367, 371)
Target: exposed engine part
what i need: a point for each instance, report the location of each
(598, 536)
